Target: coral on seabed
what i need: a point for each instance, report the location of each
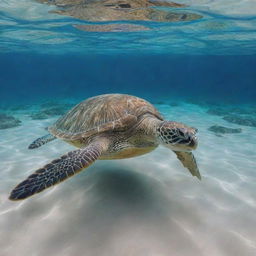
(241, 120)
(7, 121)
(51, 109)
(223, 130)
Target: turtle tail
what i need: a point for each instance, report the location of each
(41, 141)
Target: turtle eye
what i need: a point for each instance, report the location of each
(182, 132)
(124, 5)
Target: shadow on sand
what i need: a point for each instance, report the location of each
(107, 212)
(123, 213)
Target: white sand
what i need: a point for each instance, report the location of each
(145, 206)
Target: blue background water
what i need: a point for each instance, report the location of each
(42, 55)
(27, 78)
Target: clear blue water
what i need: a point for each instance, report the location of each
(212, 57)
(217, 79)
(202, 73)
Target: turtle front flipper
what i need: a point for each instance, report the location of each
(188, 160)
(58, 170)
(41, 141)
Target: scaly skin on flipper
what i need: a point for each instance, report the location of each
(188, 160)
(41, 141)
(58, 170)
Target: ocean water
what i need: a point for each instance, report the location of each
(201, 73)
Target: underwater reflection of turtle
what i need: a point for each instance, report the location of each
(110, 126)
(113, 10)
(112, 28)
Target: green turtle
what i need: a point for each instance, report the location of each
(110, 126)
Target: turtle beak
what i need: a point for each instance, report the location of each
(196, 130)
(193, 142)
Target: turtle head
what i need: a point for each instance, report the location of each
(177, 136)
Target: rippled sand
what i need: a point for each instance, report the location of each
(145, 206)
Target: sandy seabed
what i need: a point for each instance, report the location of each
(145, 206)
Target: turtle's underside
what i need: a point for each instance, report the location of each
(125, 10)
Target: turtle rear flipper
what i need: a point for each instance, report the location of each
(57, 171)
(41, 141)
(188, 160)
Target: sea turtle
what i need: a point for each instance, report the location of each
(110, 126)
